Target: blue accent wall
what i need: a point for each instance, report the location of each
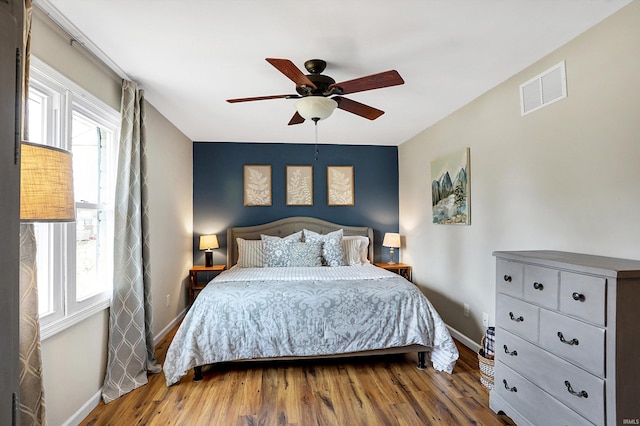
(218, 188)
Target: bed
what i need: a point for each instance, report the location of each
(304, 288)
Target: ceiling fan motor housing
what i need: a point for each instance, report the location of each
(322, 83)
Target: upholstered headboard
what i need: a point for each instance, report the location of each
(287, 226)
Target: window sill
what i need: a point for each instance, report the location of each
(57, 326)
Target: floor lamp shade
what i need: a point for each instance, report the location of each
(46, 184)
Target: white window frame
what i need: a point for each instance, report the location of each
(68, 97)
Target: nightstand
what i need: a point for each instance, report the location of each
(195, 286)
(399, 268)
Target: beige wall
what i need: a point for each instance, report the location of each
(561, 178)
(170, 217)
(74, 360)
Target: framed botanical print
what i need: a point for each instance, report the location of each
(299, 185)
(257, 185)
(340, 186)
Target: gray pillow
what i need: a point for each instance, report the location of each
(276, 251)
(306, 254)
(332, 254)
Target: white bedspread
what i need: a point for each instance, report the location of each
(249, 313)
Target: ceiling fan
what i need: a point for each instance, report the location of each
(319, 95)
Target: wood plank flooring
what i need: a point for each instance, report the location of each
(382, 390)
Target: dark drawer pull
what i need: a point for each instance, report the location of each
(513, 318)
(578, 297)
(581, 394)
(538, 286)
(507, 278)
(512, 353)
(573, 341)
(506, 386)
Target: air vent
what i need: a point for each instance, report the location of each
(544, 89)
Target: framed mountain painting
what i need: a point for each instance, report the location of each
(450, 189)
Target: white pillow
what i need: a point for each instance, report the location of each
(351, 249)
(250, 253)
(363, 247)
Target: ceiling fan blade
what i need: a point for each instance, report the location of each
(261, 98)
(296, 119)
(357, 108)
(369, 82)
(289, 69)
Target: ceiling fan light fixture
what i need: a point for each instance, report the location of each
(315, 107)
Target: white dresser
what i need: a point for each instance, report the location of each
(567, 339)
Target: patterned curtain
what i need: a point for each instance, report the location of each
(31, 389)
(131, 351)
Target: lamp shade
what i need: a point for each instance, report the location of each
(46, 184)
(391, 239)
(315, 107)
(208, 242)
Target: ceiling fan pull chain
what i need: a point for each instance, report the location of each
(317, 154)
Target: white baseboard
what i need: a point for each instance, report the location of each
(85, 410)
(93, 402)
(169, 327)
(463, 339)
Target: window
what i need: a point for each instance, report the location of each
(75, 260)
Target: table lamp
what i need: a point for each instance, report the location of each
(207, 243)
(391, 240)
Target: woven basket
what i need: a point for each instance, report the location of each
(486, 369)
(486, 365)
(486, 381)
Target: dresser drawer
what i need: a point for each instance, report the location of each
(583, 296)
(553, 374)
(514, 352)
(540, 286)
(531, 401)
(573, 340)
(509, 277)
(518, 317)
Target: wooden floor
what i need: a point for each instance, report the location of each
(382, 390)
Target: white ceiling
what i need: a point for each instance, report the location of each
(192, 55)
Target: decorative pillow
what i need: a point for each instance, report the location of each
(332, 254)
(277, 250)
(364, 247)
(351, 250)
(295, 237)
(250, 253)
(306, 254)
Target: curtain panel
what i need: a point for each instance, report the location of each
(131, 352)
(32, 408)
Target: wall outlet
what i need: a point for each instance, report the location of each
(485, 319)
(466, 310)
(168, 300)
